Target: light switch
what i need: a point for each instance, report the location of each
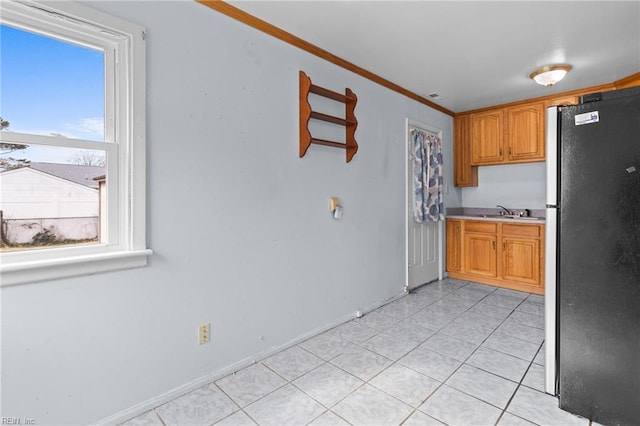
(335, 208)
(333, 203)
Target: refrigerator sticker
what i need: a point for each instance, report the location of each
(587, 118)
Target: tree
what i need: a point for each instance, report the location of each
(8, 148)
(89, 158)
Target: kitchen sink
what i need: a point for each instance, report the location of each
(510, 216)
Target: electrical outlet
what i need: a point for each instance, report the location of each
(204, 333)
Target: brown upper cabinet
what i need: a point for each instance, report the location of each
(487, 137)
(563, 100)
(508, 135)
(629, 81)
(525, 132)
(464, 174)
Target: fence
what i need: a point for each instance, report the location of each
(23, 231)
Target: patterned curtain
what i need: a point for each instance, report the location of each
(427, 177)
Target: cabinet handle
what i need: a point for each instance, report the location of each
(494, 244)
(509, 150)
(504, 246)
(500, 152)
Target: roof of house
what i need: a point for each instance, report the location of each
(83, 175)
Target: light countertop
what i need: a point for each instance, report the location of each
(534, 216)
(530, 220)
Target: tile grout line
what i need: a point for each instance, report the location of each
(439, 296)
(518, 387)
(467, 358)
(393, 362)
(417, 409)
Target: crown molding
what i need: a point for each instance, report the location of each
(272, 30)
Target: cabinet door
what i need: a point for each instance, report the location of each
(454, 245)
(521, 260)
(525, 132)
(563, 100)
(463, 173)
(631, 81)
(480, 254)
(487, 135)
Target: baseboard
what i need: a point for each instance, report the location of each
(179, 391)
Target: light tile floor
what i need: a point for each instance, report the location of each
(451, 352)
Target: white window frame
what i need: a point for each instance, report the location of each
(125, 137)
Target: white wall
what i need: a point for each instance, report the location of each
(28, 194)
(513, 186)
(239, 224)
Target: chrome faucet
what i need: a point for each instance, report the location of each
(505, 209)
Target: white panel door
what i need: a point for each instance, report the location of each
(423, 253)
(423, 249)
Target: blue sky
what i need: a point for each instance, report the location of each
(49, 86)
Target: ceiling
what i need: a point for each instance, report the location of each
(472, 54)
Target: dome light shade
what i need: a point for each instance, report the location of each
(549, 75)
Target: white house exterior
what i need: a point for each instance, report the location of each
(32, 200)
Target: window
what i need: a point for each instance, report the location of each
(72, 144)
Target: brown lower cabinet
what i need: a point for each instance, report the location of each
(454, 251)
(500, 253)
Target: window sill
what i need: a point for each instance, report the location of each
(46, 270)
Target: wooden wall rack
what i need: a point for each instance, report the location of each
(306, 113)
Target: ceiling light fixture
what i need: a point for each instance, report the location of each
(549, 75)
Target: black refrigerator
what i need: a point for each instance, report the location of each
(592, 273)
